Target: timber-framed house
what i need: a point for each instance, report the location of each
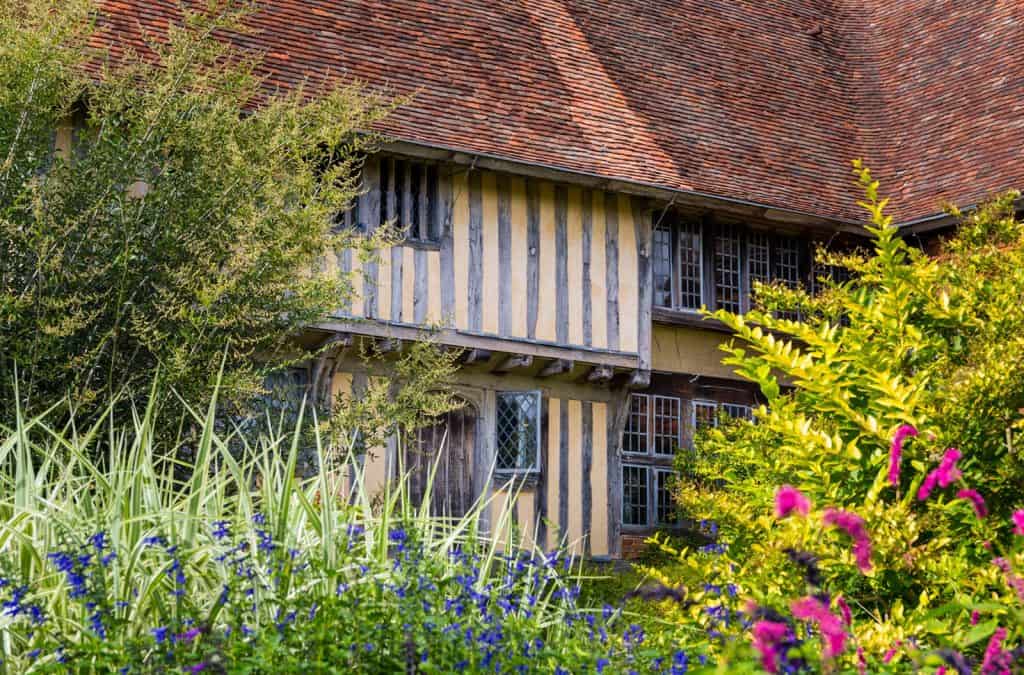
(578, 178)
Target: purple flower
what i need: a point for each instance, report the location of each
(976, 500)
(788, 499)
(853, 525)
(189, 635)
(896, 451)
(159, 634)
(943, 475)
(198, 668)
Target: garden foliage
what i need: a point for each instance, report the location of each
(881, 475)
(113, 566)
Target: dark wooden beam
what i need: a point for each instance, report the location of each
(556, 367)
(513, 362)
(601, 375)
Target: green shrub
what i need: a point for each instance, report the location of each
(908, 340)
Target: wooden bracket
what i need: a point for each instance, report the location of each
(514, 361)
(601, 375)
(476, 356)
(556, 367)
(388, 345)
(640, 379)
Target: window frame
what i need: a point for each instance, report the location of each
(538, 401)
(657, 484)
(731, 244)
(649, 433)
(647, 469)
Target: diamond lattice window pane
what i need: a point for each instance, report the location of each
(517, 425)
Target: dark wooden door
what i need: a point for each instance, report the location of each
(450, 443)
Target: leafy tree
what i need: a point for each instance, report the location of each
(184, 224)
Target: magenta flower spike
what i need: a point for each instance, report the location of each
(853, 525)
(788, 499)
(943, 475)
(769, 637)
(1018, 522)
(976, 500)
(896, 451)
(814, 610)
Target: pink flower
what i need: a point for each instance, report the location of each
(943, 475)
(853, 525)
(844, 609)
(788, 499)
(996, 660)
(769, 637)
(813, 609)
(862, 662)
(976, 501)
(888, 656)
(975, 617)
(1018, 522)
(896, 451)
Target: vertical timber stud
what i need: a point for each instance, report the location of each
(563, 469)
(533, 256)
(344, 271)
(586, 498)
(369, 215)
(611, 233)
(474, 284)
(618, 409)
(483, 463)
(645, 298)
(561, 265)
(421, 300)
(504, 256)
(587, 216)
(447, 248)
(395, 186)
(540, 502)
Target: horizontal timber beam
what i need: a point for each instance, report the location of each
(467, 340)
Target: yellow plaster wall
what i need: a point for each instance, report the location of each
(678, 349)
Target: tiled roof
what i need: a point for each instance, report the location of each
(744, 99)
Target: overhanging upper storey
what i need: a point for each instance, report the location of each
(500, 263)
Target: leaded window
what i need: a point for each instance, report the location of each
(727, 269)
(690, 267)
(635, 491)
(661, 258)
(705, 414)
(738, 411)
(664, 507)
(666, 416)
(517, 431)
(736, 259)
(653, 425)
(634, 437)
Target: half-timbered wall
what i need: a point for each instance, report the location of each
(570, 500)
(517, 258)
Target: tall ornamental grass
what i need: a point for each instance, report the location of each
(114, 558)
